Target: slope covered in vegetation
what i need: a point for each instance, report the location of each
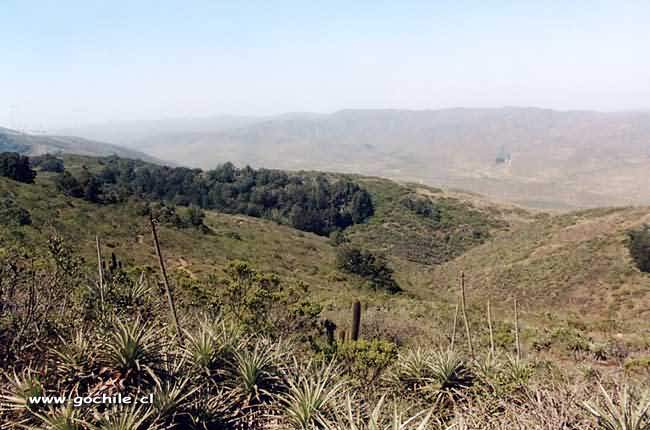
(264, 311)
(306, 202)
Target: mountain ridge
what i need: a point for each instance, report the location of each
(39, 144)
(539, 158)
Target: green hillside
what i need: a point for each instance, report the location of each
(574, 264)
(261, 302)
(412, 243)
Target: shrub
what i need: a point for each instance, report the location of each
(15, 166)
(48, 163)
(69, 185)
(639, 246)
(369, 266)
(12, 214)
(191, 216)
(637, 365)
(367, 359)
(423, 207)
(261, 302)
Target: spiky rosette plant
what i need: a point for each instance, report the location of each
(626, 410)
(16, 403)
(172, 400)
(449, 373)
(61, 418)
(74, 361)
(132, 351)
(412, 369)
(351, 416)
(310, 399)
(433, 374)
(253, 377)
(207, 347)
(201, 349)
(125, 418)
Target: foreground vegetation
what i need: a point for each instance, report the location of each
(253, 351)
(277, 328)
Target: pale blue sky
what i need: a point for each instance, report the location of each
(65, 63)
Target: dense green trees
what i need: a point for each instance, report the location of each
(369, 266)
(16, 167)
(48, 163)
(307, 202)
(639, 246)
(87, 186)
(69, 185)
(184, 217)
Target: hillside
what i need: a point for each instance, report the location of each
(30, 144)
(547, 159)
(261, 301)
(411, 243)
(573, 265)
(576, 261)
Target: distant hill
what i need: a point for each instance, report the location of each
(534, 157)
(412, 243)
(34, 144)
(573, 264)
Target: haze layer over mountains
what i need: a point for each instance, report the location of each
(534, 157)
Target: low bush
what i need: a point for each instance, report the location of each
(369, 266)
(12, 214)
(639, 245)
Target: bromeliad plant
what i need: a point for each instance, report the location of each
(435, 375)
(254, 375)
(202, 348)
(310, 399)
(628, 410)
(133, 350)
(75, 360)
(350, 416)
(62, 418)
(125, 418)
(15, 397)
(172, 400)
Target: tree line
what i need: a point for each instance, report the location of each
(311, 203)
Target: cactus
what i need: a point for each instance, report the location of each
(356, 320)
(330, 329)
(114, 263)
(468, 332)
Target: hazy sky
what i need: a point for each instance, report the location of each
(64, 63)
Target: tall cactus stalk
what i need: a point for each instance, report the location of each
(517, 342)
(464, 312)
(330, 329)
(170, 298)
(489, 319)
(356, 320)
(452, 343)
(101, 272)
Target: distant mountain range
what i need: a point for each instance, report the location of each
(534, 157)
(37, 144)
